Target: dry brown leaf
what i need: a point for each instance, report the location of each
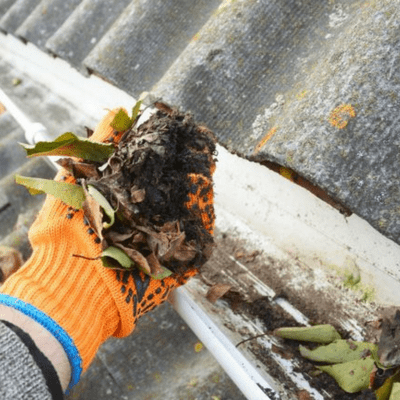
(185, 253)
(78, 169)
(303, 395)
(174, 246)
(135, 256)
(91, 209)
(171, 227)
(155, 265)
(10, 261)
(116, 237)
(158, 243)
(137, 195)
(217, 291)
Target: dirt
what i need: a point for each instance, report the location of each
(329, 303)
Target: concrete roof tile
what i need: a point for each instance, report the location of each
(146, 40)
(92, 19)
(45, 20)
(5, 5)
(17, 14)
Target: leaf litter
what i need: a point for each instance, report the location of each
(135, 196)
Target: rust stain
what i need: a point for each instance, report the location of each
(299, 180)
(265, 139)
(340, 116)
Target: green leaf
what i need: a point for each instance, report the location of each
(104, 204)
(115, 258)
(351, 376)
(161, 275)
(70, 145)
(135, 110)
(121, 121)
(383, 393)
(339, 351)
(317, 334)
(395, 394)
(70, 194)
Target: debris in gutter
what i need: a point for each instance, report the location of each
(355, 366)
(149, 197)
(217, 291)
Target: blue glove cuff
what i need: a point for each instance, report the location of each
(56, 330)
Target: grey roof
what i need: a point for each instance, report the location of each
(312, 86)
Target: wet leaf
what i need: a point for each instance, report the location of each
(317, 334)
(115, 258)
(70, 194)
(351, 376)
(70, 145)
(339, 351)
(217, 291)
(105, 205)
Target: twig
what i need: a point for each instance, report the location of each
(254, 337)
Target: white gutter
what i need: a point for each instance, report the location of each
(241, 371)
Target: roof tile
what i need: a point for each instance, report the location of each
(92, 19)
(146, 40)
(45, 20)
(17, 14)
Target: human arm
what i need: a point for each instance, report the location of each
(65, 288)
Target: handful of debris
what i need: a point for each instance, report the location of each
(150, 198)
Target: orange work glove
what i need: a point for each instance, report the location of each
(79, 301)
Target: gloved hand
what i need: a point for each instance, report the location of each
(79, 301)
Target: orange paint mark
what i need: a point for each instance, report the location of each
(301, 95)
(340, 116)
(195, 37)
(2, 109)
(265, 139)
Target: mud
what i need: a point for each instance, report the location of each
(322, 302)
